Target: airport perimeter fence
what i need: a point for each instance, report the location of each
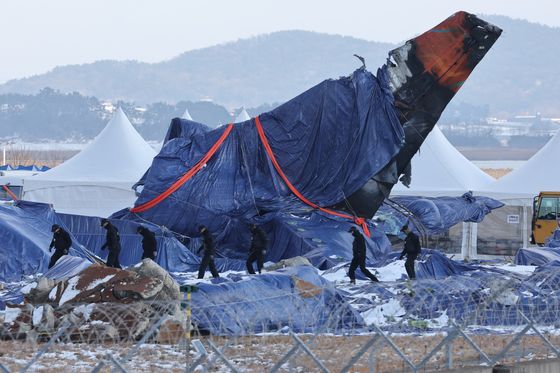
(305, 331)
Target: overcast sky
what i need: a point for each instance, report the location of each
(37, 35)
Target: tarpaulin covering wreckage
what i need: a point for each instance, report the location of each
(335, 151)
(437, 214)
(26, 235)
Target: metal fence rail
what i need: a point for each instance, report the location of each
(162, 336)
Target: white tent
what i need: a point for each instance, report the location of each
(439, 169)
(98, 180)
(187, 115)
(538, 174)
(243, 116)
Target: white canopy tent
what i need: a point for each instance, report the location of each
(517, 190)
(439, 169)
(243, 116)
(538, 174)
(186, 115)
(98, 180)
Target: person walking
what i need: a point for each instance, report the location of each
(359, 257)
(61, 242)
(113, 243)
(208, 257)
(149, 243)
(411, 251)
(257, 251)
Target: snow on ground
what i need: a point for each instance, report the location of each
(37, 315)
(394, 271)
(520, 269)
(70, 292)
(100, 281)
(384, 314)
(10, 315)
(27, 288)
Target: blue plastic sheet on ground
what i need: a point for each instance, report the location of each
(438, 214)
(270, 302)
(172, 255)
(25, 229)
(554, 239)
(537, 256)
(67, 266)
(329, 141)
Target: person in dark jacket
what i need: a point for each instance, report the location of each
(208, 257)
(61, 242)
(113, 243)
(359, 257)
(257, 251)
(149, 243)
(411, 250)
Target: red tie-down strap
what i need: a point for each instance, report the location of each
(187, 175)
(357, 220)
(10, 193)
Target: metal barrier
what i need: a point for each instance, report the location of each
(162, 336)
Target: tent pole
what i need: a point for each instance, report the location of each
(465, 242)
(474, 237)
(525, 230)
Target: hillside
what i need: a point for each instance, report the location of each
(268, 68)
(519, 75)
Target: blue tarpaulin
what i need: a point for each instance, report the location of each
(554, 239)
(438, 214)
(25, 229)
(537, 256)
(271, 301)
(329, 141)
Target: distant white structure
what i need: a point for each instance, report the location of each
(439, 169)
(98, 180)
(186, 115)
(243, 116)
(538, 174)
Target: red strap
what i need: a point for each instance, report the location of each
(187, 175)
(10, 193)
(357, 220)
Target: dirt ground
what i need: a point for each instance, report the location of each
(260, 353)
(497, 173)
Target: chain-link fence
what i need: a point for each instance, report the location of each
(291, 331)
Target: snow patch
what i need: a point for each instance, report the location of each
(70, 292)
(384, 314)
(85, 310)
(100, 281)
(11, 314)
(27, 288)
(438, 322)
(52, 294)
(391, 272)
(37, 315)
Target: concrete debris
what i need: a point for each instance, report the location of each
(95, 306)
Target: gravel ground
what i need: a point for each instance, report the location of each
(260, 353)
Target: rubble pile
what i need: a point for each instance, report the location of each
(95, 306)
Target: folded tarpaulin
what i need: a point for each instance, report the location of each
(324, 241)
(438, 214)
(67, 266)
(554, 239)
(295, 297)
(26, 234)
(329, 141)
(537, 256)
(172, 255)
